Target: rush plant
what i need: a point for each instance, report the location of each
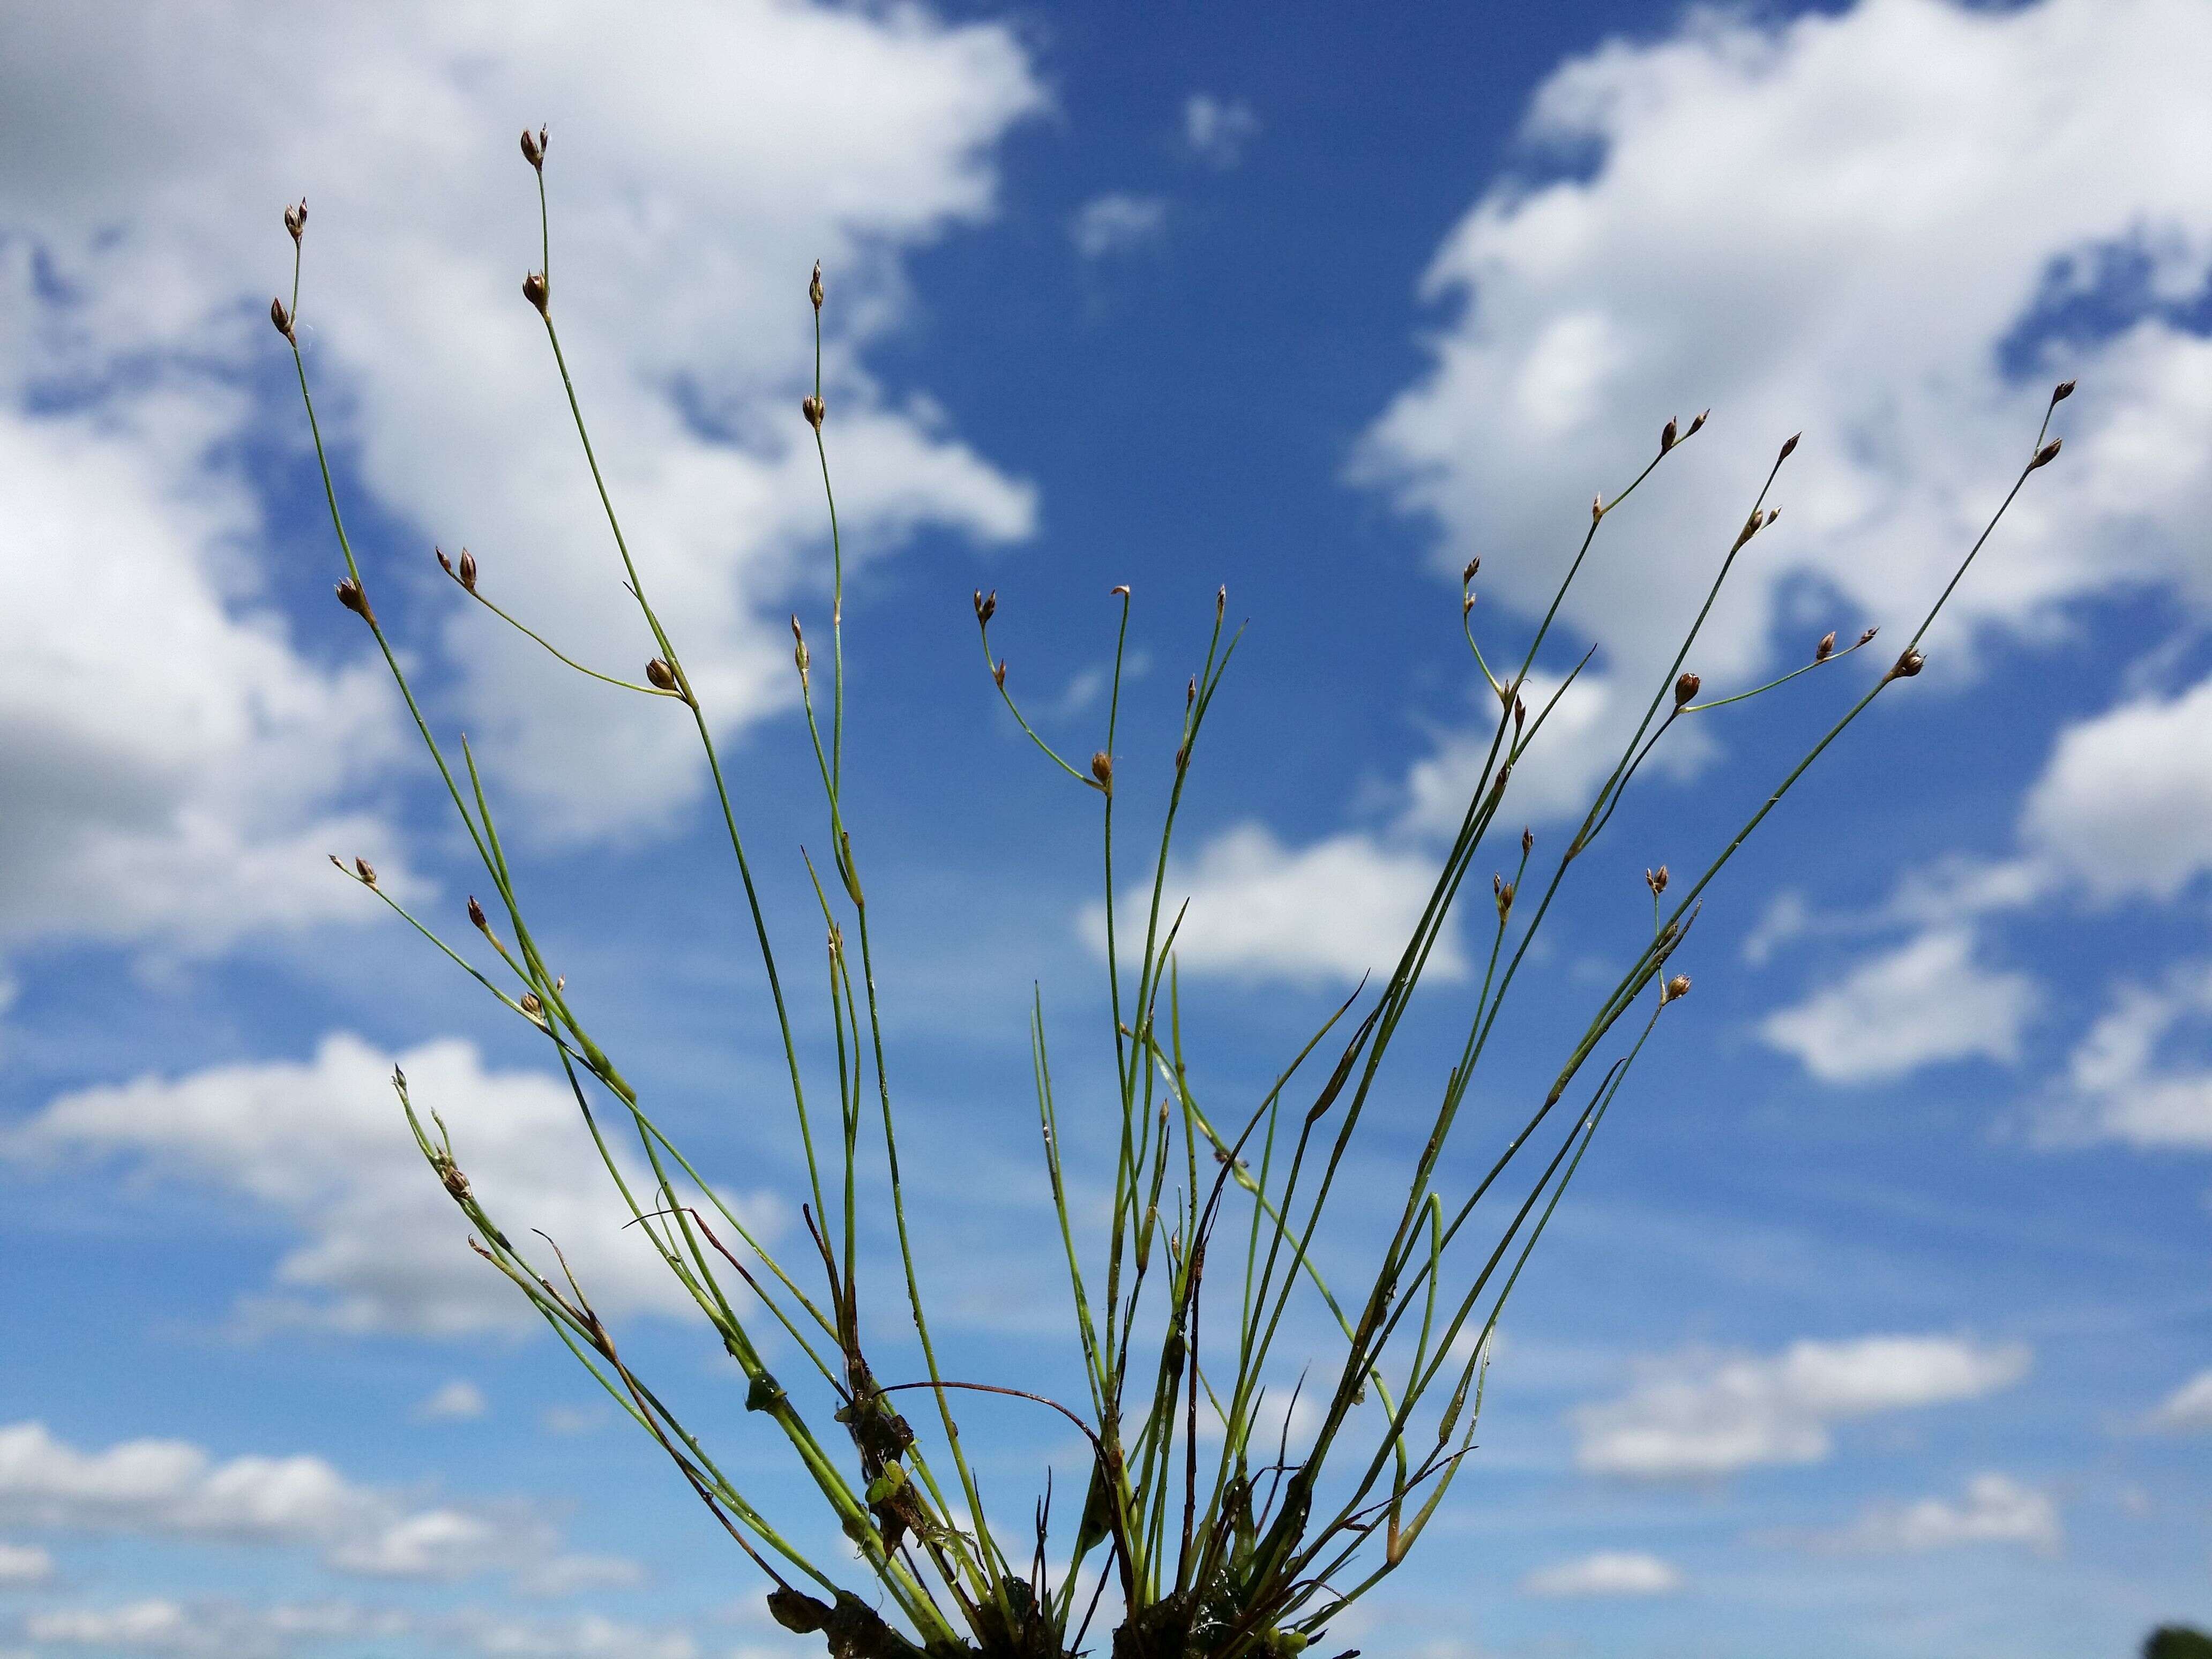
(1219, 1532)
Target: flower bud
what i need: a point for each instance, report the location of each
(811, 407)
(1520, 711)
(282, 318)
(1220, 601)
(1190, 692)
(367, 870)
(1868, 635)
(1789, 445)
(1597, 508)
(1686, 688)
(1676, 989)
(351, 597)
(2044, 456)
(1908, 665)
(1656, 880)
(1102, 767)
(535, 290)
(2059, 393)
(295, 219)
(814, 287)
(1827, 648)
(1528, 841)
(987, 606)
(468, 571)
(533, 147)
(1468, 574)
(658, 673)
(798, 648)
(1699, 422)
(476, 918)
(1503, 889)
(1666, 436)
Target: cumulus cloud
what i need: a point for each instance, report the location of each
(322, 1146)
(160, 1625)
(1332, 911)
(1608, 1572)
(1994, 1509)
(1854, 224)
(177, 760)
(2123, 808)
(1217, 131)
(1926, 1001)
(1117, 222)
(2137, 1076)
(1706, 1415)
(2187, 1410)
(174, 1489)
(455, 1402)
(24, 1566)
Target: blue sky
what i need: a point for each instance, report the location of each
(1877, 1320)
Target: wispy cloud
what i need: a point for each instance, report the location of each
(1217, 131)
(1607, 1572)
(1117, 223)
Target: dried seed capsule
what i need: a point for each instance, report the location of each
(1220, 601)
(295, 218)
(468, 570)
(1190, 692)
(987, 606)
(282, 318)
(811, 407)
(1597, 508)
(351, 597)
(1666, 436)
(1677, 989)
(476, 918)
(1788, 446)
(1102, 767)
(1656, 880)
(1503, 890)
(2044, 456)
(535, 290)
(533, 147)
(1466, 576)
(1868, 635)
(2059, 393)
(814, 286)
(367, 870)
(1699, 422)
(998, 674)
(1686, 688)
(1528, 841)
(1466, 604)
(531, 1006)
(799, 654)
(1827, 648)
(1908, 665)
(660, 674)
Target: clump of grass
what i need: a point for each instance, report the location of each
(1250, 1549)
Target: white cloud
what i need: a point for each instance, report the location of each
(24, 1565)
(177, 762)
(2188, 1409)
(1704, 1414)
(174, 1489)
(322, 1145)
(1926, 1001)
(1334, 910)
(1994, 1509)
(2124, 804)
(1608, 1572)
(159, 1625)
(455, 1402)
(1117, 223)
(1839, 223)
(1217, 131)
(2125, 1081)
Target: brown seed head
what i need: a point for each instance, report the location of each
(1666, 436)
(1466, 576)
(1677, 989)
(987, 606)
(1190, 692)
(1868, 635)
(351, 597)
(531, 1006)
(1908, 665)
(1772, 513)
(2059, 393)
(1597, 508)
(1699, 422)
(1520, 712)
(282, 320)
(1656, 880)
(533, 147)
(468, 571)
(295, 218)
(1220, 601)
(1789, 445)
(444, 563)
(811, 407)
(1686, 688)
(814, 286)
(1102, 767)
(476, 918)
(1528, 841)
(2044, 456)
(660, 674)
(998, 674)
(535, 290)
(798, 648)
(1467, 603)
(1827, 648)
(366, 870)
(1503, 889)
